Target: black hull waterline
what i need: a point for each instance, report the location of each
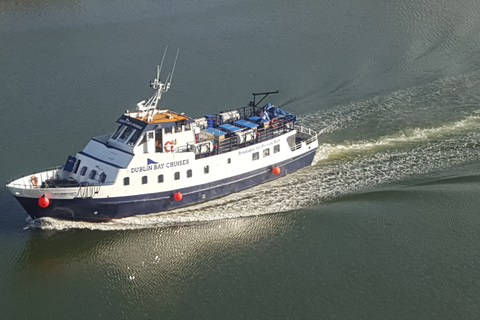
(91, 209)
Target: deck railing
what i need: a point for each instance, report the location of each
(34, 180)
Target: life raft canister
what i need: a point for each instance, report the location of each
(169, 145)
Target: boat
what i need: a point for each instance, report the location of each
(158, 160)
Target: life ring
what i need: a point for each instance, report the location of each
(169, 145)
(274, 122)
(34, 181)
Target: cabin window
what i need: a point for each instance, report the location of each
(75, 167)
(144, 180)
(291, 141)
(206, 169)
(126, 181)
(229, 160)
(266, 152)
(255, 156)
(168, 130)
(134, 138)
(178, 128)
(160, 178)
(83, 171)
(189, 173)
(188, 127)
(276, 148)
(177, 175)
(103, 176)
(92, 174)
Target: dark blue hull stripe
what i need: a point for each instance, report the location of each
(92, 209)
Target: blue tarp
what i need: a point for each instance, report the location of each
(229, 127)
(245, 123)
(269, 111)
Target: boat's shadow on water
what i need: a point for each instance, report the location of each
(136, 254)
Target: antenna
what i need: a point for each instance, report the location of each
(157, 84)
(174, 64)
(161, 64)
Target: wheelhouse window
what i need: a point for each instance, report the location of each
(134, 138)
(189, 173)
(117, 132)
(168, 130)
(144, 180)
(126, 133)
(255, 156)
(126, 181)
(83, 171)
(160, 178)
(177, 175)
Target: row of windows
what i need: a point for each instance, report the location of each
(161, 179)
(266, 152)
(93, 174)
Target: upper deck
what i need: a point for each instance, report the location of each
(158, 116)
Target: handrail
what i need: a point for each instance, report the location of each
(41, 176)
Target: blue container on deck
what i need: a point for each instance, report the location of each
(210, 118)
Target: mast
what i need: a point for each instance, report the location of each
(148, 108)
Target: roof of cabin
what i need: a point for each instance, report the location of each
(164, 116)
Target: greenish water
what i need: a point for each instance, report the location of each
(383, 225)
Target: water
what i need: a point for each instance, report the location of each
(383, 225)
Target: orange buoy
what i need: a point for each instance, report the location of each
(276, 170)
(43, 201)
(178, 196)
